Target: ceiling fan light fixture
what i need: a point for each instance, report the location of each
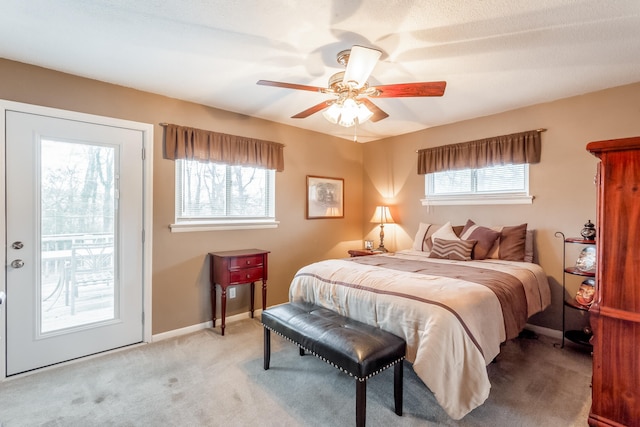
(347, 121)
(350, 106)
(364, 113)
(347, 112)
(332, 114)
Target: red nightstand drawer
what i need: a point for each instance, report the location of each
(245, 275)
(245, 261)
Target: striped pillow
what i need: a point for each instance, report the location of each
(424, 233)
(459, 250)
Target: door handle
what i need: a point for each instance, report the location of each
(17, 263)
(17, 245)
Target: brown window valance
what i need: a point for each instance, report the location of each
(183, 142)
(516, 148)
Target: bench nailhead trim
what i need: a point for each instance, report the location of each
(333, 364)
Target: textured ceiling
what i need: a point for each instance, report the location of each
(496, 55)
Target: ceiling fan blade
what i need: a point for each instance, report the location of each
(291, 86)
(314, 109)
(401, 90)
(360, 65)
(378, 114)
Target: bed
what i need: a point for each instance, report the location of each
(453, 313)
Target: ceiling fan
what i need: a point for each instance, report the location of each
(352, 91)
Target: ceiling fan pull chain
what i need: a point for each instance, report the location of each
(355, 131)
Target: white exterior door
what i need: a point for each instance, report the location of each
(74, 238)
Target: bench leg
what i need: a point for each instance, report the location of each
(267, 348)
(397, 386)
(361, 403)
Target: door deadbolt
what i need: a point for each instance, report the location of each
(17, 245)
(17, 263)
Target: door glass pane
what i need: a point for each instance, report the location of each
(77, 201)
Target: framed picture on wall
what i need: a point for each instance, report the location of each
(325, 197)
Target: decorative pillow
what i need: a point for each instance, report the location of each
(419, 242)
(511, 246)
(423, 238)
(528, 246)
(445, 233)
(486, 237)
(459, 250)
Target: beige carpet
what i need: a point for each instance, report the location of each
(204, 379)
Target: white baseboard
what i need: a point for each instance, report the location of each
(241, 316)
(553, 333)
(205, 325)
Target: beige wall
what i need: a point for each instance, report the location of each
(377, 172)
(562, 183)
(180, 268)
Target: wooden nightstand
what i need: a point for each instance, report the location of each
(233, 268)
(362, 252)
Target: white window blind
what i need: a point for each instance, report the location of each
(212, 192)
(490, 185)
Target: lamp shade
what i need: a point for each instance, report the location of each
(349, 113)
(382, 215)
(332, 114)
(364, 113)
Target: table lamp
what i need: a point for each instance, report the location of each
(382, 216)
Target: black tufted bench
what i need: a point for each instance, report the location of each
(358, 349)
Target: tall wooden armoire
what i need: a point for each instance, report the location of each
(615, 313)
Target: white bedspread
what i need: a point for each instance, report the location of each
(453, 327)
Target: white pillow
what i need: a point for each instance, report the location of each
(445, 233)
(423, 241)
(420, 235)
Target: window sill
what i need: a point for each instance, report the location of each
(196, 226)
(488, 199)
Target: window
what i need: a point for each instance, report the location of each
(219, 196)
(504, 184)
